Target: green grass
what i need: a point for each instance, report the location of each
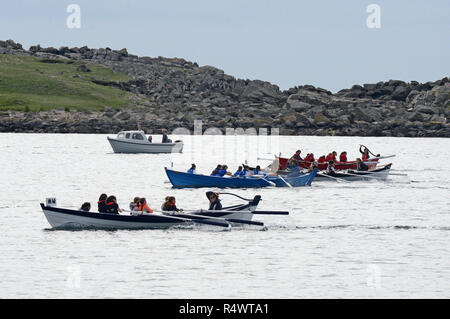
(28, 84)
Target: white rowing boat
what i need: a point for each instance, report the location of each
(70, 218)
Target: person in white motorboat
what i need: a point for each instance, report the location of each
(165, 138)
(150, 138)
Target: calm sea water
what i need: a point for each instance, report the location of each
(373, 239)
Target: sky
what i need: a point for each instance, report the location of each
(286, 42)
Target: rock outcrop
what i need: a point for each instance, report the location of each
(172, 93)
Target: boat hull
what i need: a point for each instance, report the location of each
(70, 219)
(186, 180)
(122, 146)
(380, 174)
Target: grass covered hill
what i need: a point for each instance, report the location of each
(40, 84)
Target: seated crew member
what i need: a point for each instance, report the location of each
(329, 157)
(257, 171)
(343, 157)
(334, 156)
(216, 170)
(143, 206)
(102, 203)
(330, 169)
(224, 171)
(170, 205)
(134, 204)
(214, 201)
(321, 159)
(192, 169)
(111, 205)
(365, 153)
(85, 207)
(297, 156)
(244, 172)
(361, 165)
(238, 172)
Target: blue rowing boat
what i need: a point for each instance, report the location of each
(184, 180)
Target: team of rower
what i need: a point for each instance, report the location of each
(139, 206)
(222, 170)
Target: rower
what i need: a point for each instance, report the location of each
(216, 170)
(214, 201)
(365, 153)
(111, 205)
(330, 169)
(257, 171)
(343, 157)
(134, 204)
(361, 165)
(244, 172)
(223, 171)
(102, 203)
(321, 159)
(297, 156)
(85, 207)
(143, 206)
(192, 169)
(238, 172)
(169, 205)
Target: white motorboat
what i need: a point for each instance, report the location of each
(137, 142)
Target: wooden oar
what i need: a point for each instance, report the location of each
(281, 177)
(336, 178)
(270, 212)
(206, 221)
(217, 219)
(364, 175)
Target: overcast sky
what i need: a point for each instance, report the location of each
(287, 42)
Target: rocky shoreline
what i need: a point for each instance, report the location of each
(172, 93)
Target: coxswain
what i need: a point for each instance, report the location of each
(102, 203)
(192, 169)
(214, 201)
(111, 205)
(361, 165)
(143, 206)
(343, 157)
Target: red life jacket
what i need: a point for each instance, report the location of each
(329, 157)
(321, 159)
(343, 158)
(365, 157)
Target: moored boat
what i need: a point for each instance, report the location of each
(185, 180)
(137, 142)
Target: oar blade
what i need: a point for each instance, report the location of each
(248, 222)
(270, 212)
